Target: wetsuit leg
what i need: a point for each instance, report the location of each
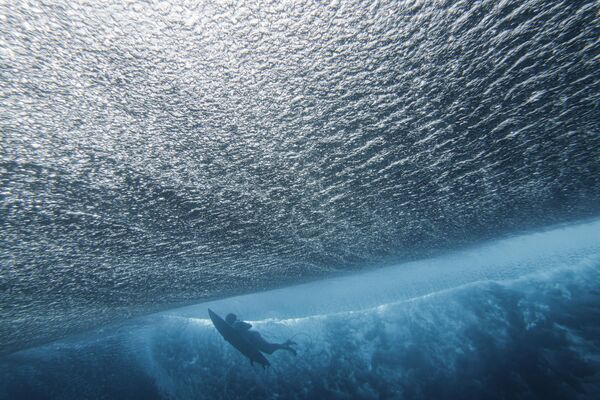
(265, 346)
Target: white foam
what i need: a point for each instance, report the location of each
(501, 260)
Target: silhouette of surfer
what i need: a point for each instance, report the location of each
(256, 339)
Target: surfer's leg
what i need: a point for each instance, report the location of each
(262, 344)
(269, 348)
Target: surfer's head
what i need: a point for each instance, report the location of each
(230, 318)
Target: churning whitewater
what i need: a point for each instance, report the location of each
(509, 319)
(157, 155)
(409, 189)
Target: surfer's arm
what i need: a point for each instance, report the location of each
(242, 326)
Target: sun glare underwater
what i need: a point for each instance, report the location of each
(403, 194)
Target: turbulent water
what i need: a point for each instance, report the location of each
(512, 319)
(161, 154)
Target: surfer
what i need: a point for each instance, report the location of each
(256, 339)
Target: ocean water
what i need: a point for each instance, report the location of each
(517, 318)
(410, 189)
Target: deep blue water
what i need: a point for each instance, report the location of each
(439, 328)
(408, 188)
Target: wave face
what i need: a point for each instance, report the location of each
(473, 325)
(159, 155)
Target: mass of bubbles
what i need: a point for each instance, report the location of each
(530, 338)
(161, 154)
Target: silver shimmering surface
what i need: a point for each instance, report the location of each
(160, 154)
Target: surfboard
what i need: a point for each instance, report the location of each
(237, 340)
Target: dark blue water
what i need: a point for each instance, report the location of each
(417, 181)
